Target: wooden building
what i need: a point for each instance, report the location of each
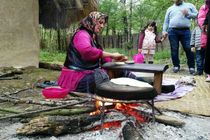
(20, 21)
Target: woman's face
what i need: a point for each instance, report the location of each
(99, 25)
(150, 28)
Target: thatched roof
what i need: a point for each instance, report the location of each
(59, 14)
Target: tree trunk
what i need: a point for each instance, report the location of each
(59, 39)
(50, 66)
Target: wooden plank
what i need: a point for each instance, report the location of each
(150, 68)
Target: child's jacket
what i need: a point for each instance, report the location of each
(196, 38)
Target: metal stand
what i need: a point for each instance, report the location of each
(102, 109)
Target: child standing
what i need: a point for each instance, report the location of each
(147, 41)
(195, 43)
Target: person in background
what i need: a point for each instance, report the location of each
(85, 56)
(201, 17)
(177, 27)
(147, 41)
(206, 28)
(197, 49)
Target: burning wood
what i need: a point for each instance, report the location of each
(129, 110)
(126, 109)
(99, 104)
(112, 124)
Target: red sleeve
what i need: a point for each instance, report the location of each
(82, 42)
(141, 38)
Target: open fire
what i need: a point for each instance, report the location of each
(125, 108)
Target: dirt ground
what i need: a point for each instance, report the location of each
(26, 82)
(196, 127)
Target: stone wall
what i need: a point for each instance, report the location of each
(19, 33)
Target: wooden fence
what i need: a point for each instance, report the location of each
(60, 42)
(120, 41)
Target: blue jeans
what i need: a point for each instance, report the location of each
(199, 56)
(183, 36)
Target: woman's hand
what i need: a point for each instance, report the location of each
(119, 57)
(115, 56)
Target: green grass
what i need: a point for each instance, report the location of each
(52, 57)
(161, 57)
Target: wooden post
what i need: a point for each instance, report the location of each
(158, 82)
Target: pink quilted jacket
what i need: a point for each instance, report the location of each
(201, 17)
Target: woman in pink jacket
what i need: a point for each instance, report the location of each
(201, 17)
(85, 55)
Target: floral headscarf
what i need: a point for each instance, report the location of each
(92, 19)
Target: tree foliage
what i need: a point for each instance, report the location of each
(126, 17)
(142, 12)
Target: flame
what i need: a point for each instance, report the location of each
(97, 112)
(98, 105)
(130, 110)
(113, 124)
(123, 108)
